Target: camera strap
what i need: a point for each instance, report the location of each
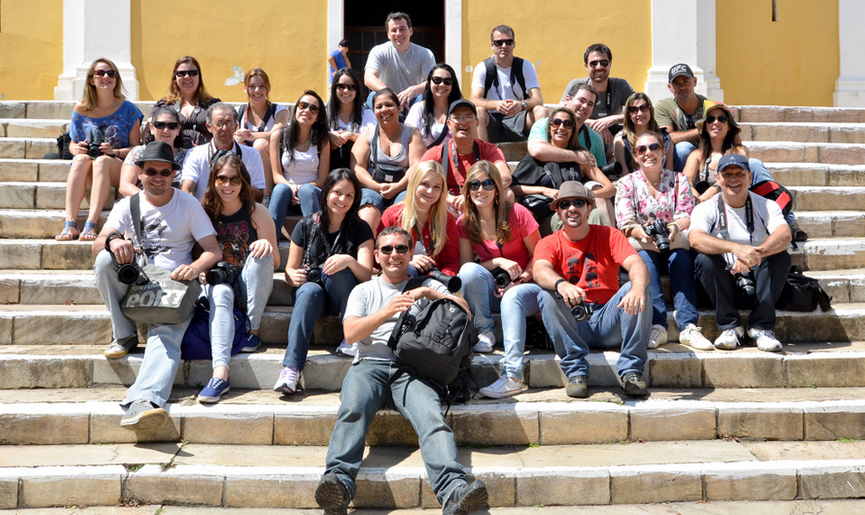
(722, 218)
(135, 210)
(454, 156)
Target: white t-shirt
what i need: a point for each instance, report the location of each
(415, 119)
(400, 70)
(367, 120)
(304, 169)
(196, 168)
(767, 218)
(506, 90)
(169, 231)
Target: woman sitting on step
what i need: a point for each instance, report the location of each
(639, 118)
(190, 99)
(430, 114)
(104, 127)
(347, 116)
(164, 126)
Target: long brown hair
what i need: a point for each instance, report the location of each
(90, 100)
(174, 94)
(573, 142)
(257, 72)
(502, 209)
(212, 202)
(729, 144)
(628, 125)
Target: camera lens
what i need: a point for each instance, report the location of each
(127, 273)
(503, 279)
(313, 275)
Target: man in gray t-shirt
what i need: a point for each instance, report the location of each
(373, 382)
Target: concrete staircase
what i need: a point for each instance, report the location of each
(717, 427)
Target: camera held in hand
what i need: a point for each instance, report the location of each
(583, 311)
(97, 137)
(128, 273)
(746, 284)
(313, 274)
(657, 229)
(502, 277)
(451, 282)
(223, 273)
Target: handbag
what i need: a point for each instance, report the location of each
(802, 293)
(156, 298)
(382, 173)
(196, 339)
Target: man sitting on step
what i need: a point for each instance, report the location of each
(171, 223)
(742, 239)
(373, 308)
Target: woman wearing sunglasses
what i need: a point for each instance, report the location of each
(301, 160)
(248, 240)
(639, 118)
(718, 136)
(331, 251)
(503, 237)
(429, 115)
(347, 116)
(381, 157)
(190, 98)
(655, 202)
(165, 127)
(104, 127)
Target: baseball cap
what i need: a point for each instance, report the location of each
(733, 160)
(680, 69)
(462, 103)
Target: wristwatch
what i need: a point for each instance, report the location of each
(525, 105)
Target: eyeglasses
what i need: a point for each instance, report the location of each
(388, 249)
(222, 180)
(603, 62)
(488, 184)
(103, 73)
(350, 87)
(166, 125)
(723, 118)
(183, 73)
(448, 81)
(503, 42)
(224, 123)
(652, 147)
(464, 119)
(306, 105)
(643, 108)
(577, 202)
(567, 122)
(152, 172)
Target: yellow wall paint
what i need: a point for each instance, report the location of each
(554, 36)
(287, 38)
(793, 61)
(31, 43)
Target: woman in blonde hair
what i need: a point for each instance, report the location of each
(104, 127)
(503, 236)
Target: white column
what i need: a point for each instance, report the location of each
(683, 31)
(335, 33)
(454, 36)
(850, 86)
(94, 29)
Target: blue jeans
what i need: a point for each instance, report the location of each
(478, 288)
(365, 390)
(311, 302)
(162, 354)
(374, 198)
(683, 286)
(681, 152)
(280, 202)
(608, 328)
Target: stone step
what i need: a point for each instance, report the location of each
(40, 223)
(516, 476)
(828, 224)
(33, 170)
(795, 152)
(806, 132)
(42, 195)
(795, 114)
(33, 127)
(824, 198)
(817, 174)
(27, 148)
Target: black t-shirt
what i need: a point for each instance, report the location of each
(345, 241)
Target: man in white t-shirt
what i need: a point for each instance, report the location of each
(171, 223)
(222, 123)
(507, 92)
(742, 241)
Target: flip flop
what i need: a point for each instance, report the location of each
(66, 235)
(86, 235)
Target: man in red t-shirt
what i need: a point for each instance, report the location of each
(581, 263)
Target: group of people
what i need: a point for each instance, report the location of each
(412, 186)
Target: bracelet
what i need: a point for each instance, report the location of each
(717, 187)
(112, 236)
(556, 286)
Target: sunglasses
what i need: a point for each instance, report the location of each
(723, 118)
(577, 202)
(653, 147)
(166, 125)
(103, 73)
(464, 119)
(151, 172)
(350, 87)
(643, 108)
(448, 81)
(388, 249)
(183, 73)
(222, 180)
(306, 105)
(503, 42)
(488, 184)
(567, 122)
(602, 62)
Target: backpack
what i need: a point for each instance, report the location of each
(531, 171)
(492, 77)
(802, 293)
(774, 191)
(196, 339)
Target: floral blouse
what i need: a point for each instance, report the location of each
(635, 204)
(117, 126)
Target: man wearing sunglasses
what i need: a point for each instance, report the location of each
(171, 223)
(507, 91)
(579, 265)
(607, 116)
(222, 123)
(373, 308)
(581, 100)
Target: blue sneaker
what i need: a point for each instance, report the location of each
(251, 343)
(213, 391)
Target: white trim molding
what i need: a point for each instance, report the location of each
(850, 86)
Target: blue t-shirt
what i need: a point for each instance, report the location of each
(122, 121)
(340, 64)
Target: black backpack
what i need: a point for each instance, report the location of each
(492, 77)
(803, 293)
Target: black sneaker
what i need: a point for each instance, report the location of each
(332, 495)
(467, 499)
(634, 385)
(797, 232)
(123, 346)
(578, 386)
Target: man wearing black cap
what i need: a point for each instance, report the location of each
(582, 305)
(680, 114)
(742, 242)
(459, 153)
(171, 223)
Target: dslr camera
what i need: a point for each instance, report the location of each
(97, 137)
(657, 229)
(223, 273)
(451, 282)
(502, 277)
(583, 311)
(129, 273)
(746, 284)
(313, 274)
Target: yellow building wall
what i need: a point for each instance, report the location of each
(31, 47)
(792, 61)
(554, 36)
(287, 38)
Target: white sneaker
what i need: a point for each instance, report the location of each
(503, 387)
(486, 341)
(765, 339)
(657, 337)
(346, 349)
(729, 338)
(287, 382)
(692, 336)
